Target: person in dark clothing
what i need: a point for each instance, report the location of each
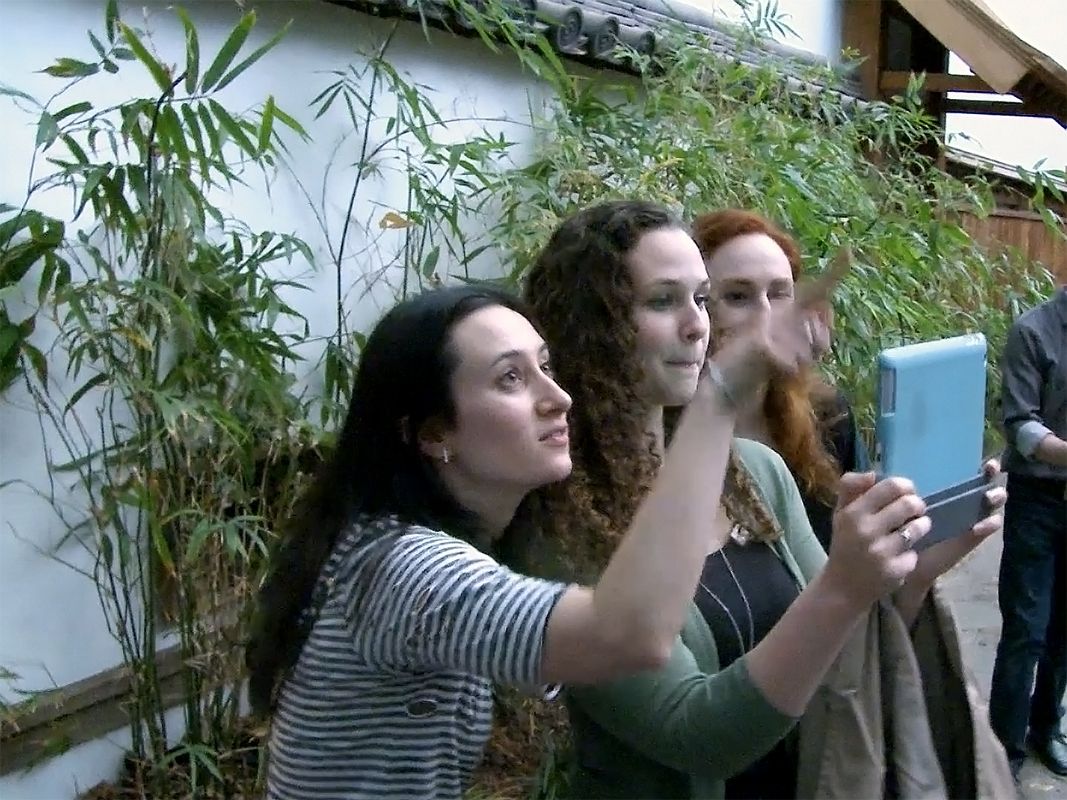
(1033, 568)
(842, 441)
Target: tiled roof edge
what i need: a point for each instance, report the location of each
(588, 30)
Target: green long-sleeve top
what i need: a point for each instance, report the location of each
(680, 731)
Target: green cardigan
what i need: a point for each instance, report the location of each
(680, 731)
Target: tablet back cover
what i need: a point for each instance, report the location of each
(931, 411)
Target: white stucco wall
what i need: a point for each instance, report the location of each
(51, 629)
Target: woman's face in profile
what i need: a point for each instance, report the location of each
(750, 276)
(510, 432)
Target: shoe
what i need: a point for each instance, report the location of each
(1052, 752)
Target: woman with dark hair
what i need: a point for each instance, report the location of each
(753, 264)
(616, 291)
(385, 618)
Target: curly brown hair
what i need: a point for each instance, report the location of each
(582, 296)
(797, 405)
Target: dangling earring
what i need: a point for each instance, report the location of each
(444, 455)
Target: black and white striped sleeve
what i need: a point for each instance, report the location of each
(434, 602)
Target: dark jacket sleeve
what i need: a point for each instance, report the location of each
(1021, 391)
(844, 440)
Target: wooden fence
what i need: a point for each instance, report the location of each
(1023, 230)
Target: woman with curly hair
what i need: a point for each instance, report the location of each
(620, 291)
(754, 265)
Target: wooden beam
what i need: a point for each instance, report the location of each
(80, 712)
(996, 107)
(1012, 213)
(897, 81)
(861, 30)
(85, 710)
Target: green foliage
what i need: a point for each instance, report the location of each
(702, 134)
(552, 781)
(183, 427)
(28, 239)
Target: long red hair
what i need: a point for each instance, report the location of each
(794, 404)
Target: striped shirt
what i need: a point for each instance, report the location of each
(392, 694)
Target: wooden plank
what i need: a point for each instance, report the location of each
(30, 746)
(88, 709)
(1012, 213)
(80, 712)
(997, 107)
(861, 30)
(897, 81)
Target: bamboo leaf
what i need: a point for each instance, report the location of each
(291, 123)
(232, 127)
(56, 271)
(209, 127)
(71, 68)
(37, 361)
(192, 124)
(92, 179)
(430, 262)
(11, 91)
(97, 45)
(113, 193)
(192, 51)
(324, 106)
(228, 51)
(84, 389)
(159, 73)
(47, 130)
(19, 258)
(135, 338)
(207, 759)
(253, 58)
(48, 276)
(231, 538)
(10, 337)
(62, 275)
(75, 149)
(169, 117)
(266, 125)
(111, 19)
(162, 549)
(70, 111)
(197, 538)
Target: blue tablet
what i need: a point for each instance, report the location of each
(931, 412)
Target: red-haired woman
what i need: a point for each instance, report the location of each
(753, 266)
